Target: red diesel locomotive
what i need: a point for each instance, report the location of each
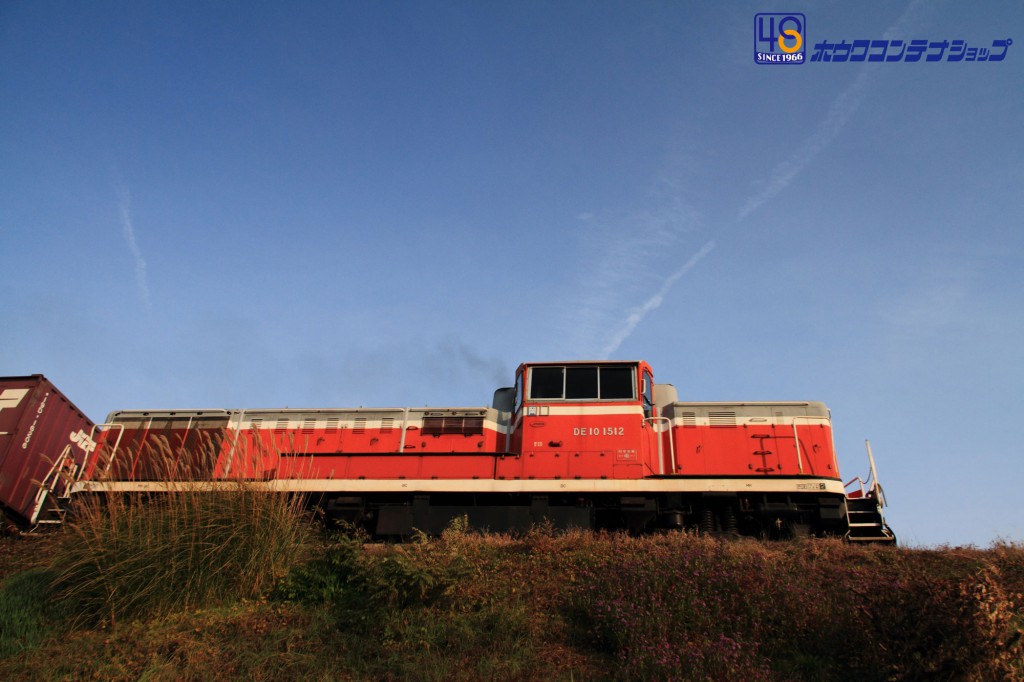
(587, 444)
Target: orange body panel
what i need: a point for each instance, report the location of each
(548, 439)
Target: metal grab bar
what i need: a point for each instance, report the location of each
(876, 486)
(796, 438)
(880, 495)
(873, 486)
(113, 453)
(671, 445)
(854, 480)
(49, 483)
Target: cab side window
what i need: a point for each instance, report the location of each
(648, 396)
(518, 400)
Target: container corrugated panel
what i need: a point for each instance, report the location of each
(37, 425)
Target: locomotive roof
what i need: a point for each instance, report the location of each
(581, 363)
(586, 362)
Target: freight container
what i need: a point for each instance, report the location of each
(44, 442)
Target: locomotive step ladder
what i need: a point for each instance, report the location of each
(53, 488)
(864, 509)
(54, 492)
(866, 521)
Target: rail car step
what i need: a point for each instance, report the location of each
(866, 523)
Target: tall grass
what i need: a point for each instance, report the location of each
(146, 554)
(682, 608)
(547, 605)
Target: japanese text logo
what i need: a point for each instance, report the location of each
(909, 51)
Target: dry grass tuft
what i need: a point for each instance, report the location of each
(146, 554)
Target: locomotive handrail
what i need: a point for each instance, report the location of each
(796, 438)
(854, 480)
(671, 445)
(236, 417)
(872, 484)
(405, 428)
(880, 493)
(113, 453)
(49, 482)
(871, 462)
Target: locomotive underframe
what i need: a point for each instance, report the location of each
(757, 507)
(761, 515)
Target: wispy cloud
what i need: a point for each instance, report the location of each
(621, 258)
(936, 297)
(654, 302)
(124, 201)
(643, 242)
(842, 110)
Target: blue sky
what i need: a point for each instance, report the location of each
(336, 204)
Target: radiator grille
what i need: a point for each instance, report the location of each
(722, 419)
(465, 426)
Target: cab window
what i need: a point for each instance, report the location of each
(547, 383)
(617, 383)
(583, 382)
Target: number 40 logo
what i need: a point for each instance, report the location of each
(779, 38)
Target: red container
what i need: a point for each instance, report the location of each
(39, 429)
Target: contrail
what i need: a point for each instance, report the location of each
(625, 255)
(842, 109)
(839, 113)
(124, 206)
(654, 302)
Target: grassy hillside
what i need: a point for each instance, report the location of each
(260, 600)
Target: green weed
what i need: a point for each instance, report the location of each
(26, 615)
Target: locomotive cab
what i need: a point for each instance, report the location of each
(590, 420)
